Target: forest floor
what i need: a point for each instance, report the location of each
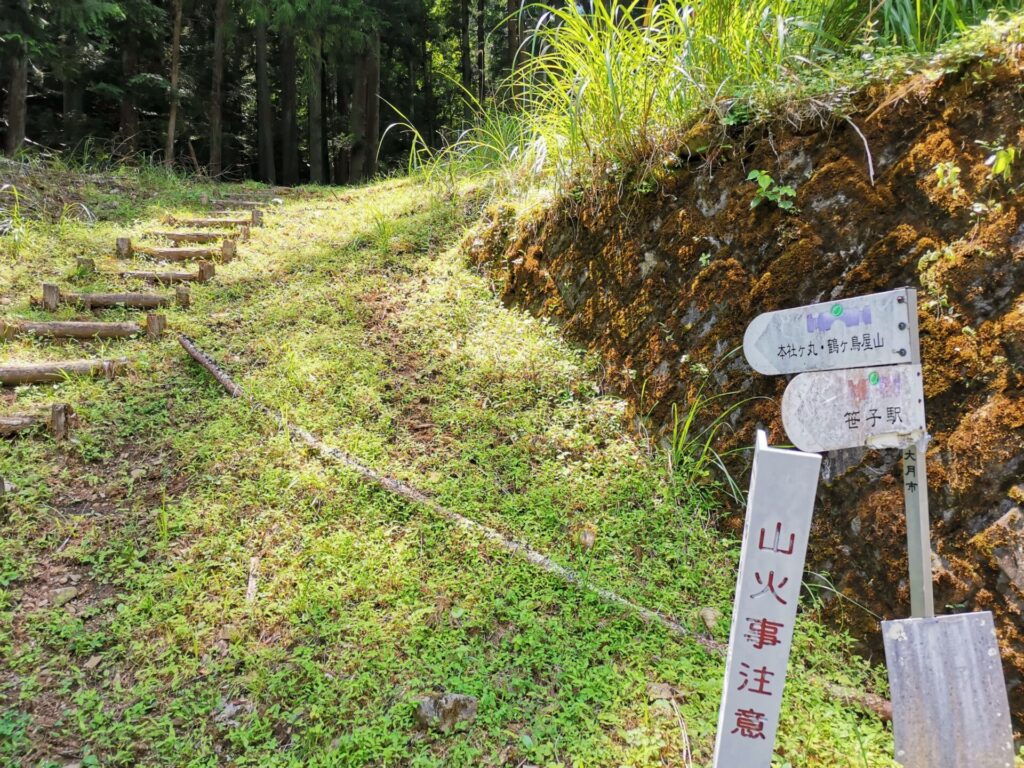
(126, 633)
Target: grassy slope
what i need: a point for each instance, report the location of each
(355, 317)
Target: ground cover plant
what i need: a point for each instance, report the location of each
(182, 585)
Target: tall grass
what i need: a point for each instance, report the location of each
(616, 84)
(921, 25)
(612, 90)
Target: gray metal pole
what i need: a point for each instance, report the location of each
(919, 548)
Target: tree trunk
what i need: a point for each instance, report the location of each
(428, 97)
(264, 109)
(325, 113)
(514, 41)
(73, 97)
(17, 91)
(315, 106)
(481, 38)
(129, 129)
(372, 106)
(175, 67)
(217, 88)
(289, 124)
(467, 66)
(410, 107)
(357, 119)
(342, 156)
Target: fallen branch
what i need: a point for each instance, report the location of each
(869, 701)
(46, 373)
(415, 496)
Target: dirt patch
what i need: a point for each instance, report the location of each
(663, 288)
(61, 590)
(408, 372)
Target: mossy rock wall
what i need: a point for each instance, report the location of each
(663, 284)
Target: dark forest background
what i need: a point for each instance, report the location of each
(285, 92)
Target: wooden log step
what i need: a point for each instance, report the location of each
(202, 237)
(264, 195)
(52, 298)
(255, 220)
(63, 329)
(46, 373)
(204, 274)
(226, 252)
(248, 205)
(58, 421)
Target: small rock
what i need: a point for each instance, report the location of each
(227, 710)
(660, 692)
(93, 662)
(710, 617)
(443, 711)
(64, 596)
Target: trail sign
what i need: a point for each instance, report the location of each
(873, 330)
(860, 384)
(874, 407)
(778, 523)
(949, 704)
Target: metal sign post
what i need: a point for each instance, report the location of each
(775, 534)
(860, 384)
(919, 547)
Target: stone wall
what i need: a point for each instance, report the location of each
(663, 285)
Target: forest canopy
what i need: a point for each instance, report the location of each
(305, 90)
(284, 91)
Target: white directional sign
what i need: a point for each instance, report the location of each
(778, 523)
(873, 407)
(878, 329)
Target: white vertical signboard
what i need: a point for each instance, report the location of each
(778, 523)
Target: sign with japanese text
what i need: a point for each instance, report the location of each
(778, 523)
(863, 331)
(873, 407)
